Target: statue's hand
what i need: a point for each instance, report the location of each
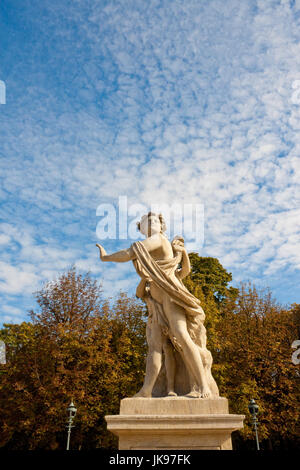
(102, 252)
(178, 245)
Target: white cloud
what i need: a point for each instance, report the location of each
(16, 280)
(192, 102)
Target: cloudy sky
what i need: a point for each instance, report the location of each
(189, 101)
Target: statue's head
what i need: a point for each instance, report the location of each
(151, 223)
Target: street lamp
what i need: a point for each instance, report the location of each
(72, 413)
(253, 408)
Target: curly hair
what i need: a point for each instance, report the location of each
(161, 219)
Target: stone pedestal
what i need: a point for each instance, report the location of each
(174, 423)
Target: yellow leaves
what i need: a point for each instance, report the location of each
(94, 353)
(252, 339)
(19, 386)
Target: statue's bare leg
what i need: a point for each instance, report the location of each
(190, 352)
(154, 359)
(170, 367)
(206, 358)
(207, 362)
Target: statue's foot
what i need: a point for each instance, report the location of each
(142, 394)
(194, 394)
(171, 393)
(206, 393)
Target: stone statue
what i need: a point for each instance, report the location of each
(178, 362)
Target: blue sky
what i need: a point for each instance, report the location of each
(194, 101)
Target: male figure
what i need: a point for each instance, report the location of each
(170, 305)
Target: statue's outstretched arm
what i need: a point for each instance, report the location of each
(150, 243)
(118, 257)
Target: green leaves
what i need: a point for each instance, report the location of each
(212, 277)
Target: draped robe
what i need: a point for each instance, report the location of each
(164, 274)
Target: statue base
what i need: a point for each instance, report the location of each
(174, 423)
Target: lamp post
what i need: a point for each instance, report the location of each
(253, 408)
(72, 413)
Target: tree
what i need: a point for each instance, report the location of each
(211, 277)
(250, 338)
(209, 282)
(255, 340)
(78, 347)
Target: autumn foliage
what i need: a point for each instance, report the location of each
(76, 347)
(250, 337)
(82, 347)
